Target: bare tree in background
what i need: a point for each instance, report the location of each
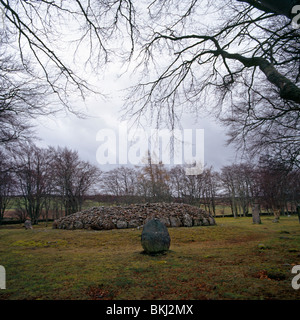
(121, 183)
(274, 185)
(72, 178)
(228, 177)
(110, 183)
(33, 175)
(210, 186)
(177, 181)
(7, 183)
(154, 179)
(128, 183)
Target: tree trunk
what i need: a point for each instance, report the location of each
(287, 89)
(274, 6)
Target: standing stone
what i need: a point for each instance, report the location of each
(255, 214)
(155, 237)
(27, 224)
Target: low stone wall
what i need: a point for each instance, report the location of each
(136, 215)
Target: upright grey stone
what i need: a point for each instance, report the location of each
(255, 214)
(155, 237)
(27, 224)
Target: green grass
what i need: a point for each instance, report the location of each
(233, 260)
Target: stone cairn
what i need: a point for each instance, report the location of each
(134, 216)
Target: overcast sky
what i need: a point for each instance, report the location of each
(80, 134)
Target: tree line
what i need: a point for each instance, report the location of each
(269, 183)
(42, 180)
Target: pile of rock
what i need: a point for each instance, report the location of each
(135, 215)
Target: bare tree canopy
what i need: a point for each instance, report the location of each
(237, 59)
(196, 27)
(227, 58)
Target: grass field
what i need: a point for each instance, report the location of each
(232, 260)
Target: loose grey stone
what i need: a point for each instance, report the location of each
(187, 220)
(27, 224)
(175, 222)
(121, 224)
